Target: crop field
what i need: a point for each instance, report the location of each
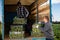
(56, 29)
(0, 31)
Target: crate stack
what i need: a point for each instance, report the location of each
(36, 32)
(17, 31)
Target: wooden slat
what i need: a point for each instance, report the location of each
(14, 2)
(42, 14)
(40, 9)
(40, 2)
(45, 12)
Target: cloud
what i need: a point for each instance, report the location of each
(55, 1)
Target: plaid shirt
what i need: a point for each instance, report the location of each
(22, 12)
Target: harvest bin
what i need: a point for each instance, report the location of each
(17, 31)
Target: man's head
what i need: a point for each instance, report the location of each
(19, 4)
(45, 18)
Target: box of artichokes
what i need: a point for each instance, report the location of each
(16, 28)
(16, 35)
(17, 20)
(36, 32)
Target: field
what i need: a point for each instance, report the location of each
(0, 31)
(56, 29)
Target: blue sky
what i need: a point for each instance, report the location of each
(0, 10)
(56, 10)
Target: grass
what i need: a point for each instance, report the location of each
(0, 28)
(56, 29)
(0, 31)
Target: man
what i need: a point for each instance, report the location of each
(22, 12)
(47, 29)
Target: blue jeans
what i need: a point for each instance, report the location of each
(49, 38)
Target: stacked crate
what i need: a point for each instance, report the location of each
(36, 32)
(17, 31)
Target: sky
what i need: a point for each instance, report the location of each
(1, 10)
(55, 10)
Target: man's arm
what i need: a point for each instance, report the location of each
(46, 27)
(27, 12)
